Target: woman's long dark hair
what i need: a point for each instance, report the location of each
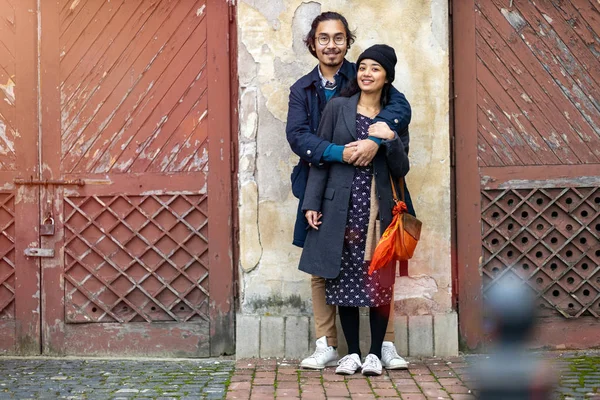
(352, 88)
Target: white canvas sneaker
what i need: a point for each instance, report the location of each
(324, 356)
(372, 366)
(348, 365)
(390, 358)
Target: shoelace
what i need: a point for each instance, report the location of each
(320, 351)
(370, 362)
(390, 352)
(347, 362)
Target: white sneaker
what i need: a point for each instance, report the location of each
(348, 365)
(390, 358)
(372, 365)
(324, 356)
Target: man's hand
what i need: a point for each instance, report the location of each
(381, 130)
(347, 154)
(313, 218)
(364, 152)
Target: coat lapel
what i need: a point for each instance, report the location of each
(349, 112)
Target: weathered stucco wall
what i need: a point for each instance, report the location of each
(271, 58)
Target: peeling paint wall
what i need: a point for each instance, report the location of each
(272, 57)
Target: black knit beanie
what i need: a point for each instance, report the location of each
(384, 55)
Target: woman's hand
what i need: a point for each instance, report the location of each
(381, 130)
(313, 218)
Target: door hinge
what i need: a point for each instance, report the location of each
(231, 10)
(452, 151)
(232, 157)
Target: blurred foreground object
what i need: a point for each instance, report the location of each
(511, 372)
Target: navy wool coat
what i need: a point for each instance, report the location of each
(328, 190)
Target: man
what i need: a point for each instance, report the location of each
(329, 40)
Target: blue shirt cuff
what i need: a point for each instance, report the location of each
(334, 153)
(375, 139)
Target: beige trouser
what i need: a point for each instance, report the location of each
(324, 315)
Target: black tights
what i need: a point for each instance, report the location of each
(378, 318)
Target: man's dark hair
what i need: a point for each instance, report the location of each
(309, 40)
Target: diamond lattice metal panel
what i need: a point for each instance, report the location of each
(136, 258)
(7, 256)
(549, 238)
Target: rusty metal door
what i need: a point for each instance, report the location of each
(134, 177)
(528, 161)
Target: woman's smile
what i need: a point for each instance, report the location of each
(366, 81)
(371, 76)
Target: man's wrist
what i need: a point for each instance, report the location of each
(375, 139)
(333, 153)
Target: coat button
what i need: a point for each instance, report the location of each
(396, 120)
(308, 152)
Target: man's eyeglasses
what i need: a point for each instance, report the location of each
(337, 39)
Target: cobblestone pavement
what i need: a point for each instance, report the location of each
(41, 378)
(431, 378)
(580, 377)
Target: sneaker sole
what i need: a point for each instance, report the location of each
(345, 372)
(319, 367)
(371, 372)
(397, 367)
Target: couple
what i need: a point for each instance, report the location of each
(349, 126)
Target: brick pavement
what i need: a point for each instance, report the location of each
(430, 378)
(255, 379)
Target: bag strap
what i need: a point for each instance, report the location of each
(394, 193)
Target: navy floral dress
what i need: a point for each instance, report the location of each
(354, 287)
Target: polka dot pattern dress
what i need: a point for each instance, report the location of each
(354, 287)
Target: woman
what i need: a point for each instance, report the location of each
(342, 203)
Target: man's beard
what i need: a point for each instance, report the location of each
(332, 63)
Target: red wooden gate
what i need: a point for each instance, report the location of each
(528, 160)
(19, 206)
(134, 106)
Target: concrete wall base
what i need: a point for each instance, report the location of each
(293, 336)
